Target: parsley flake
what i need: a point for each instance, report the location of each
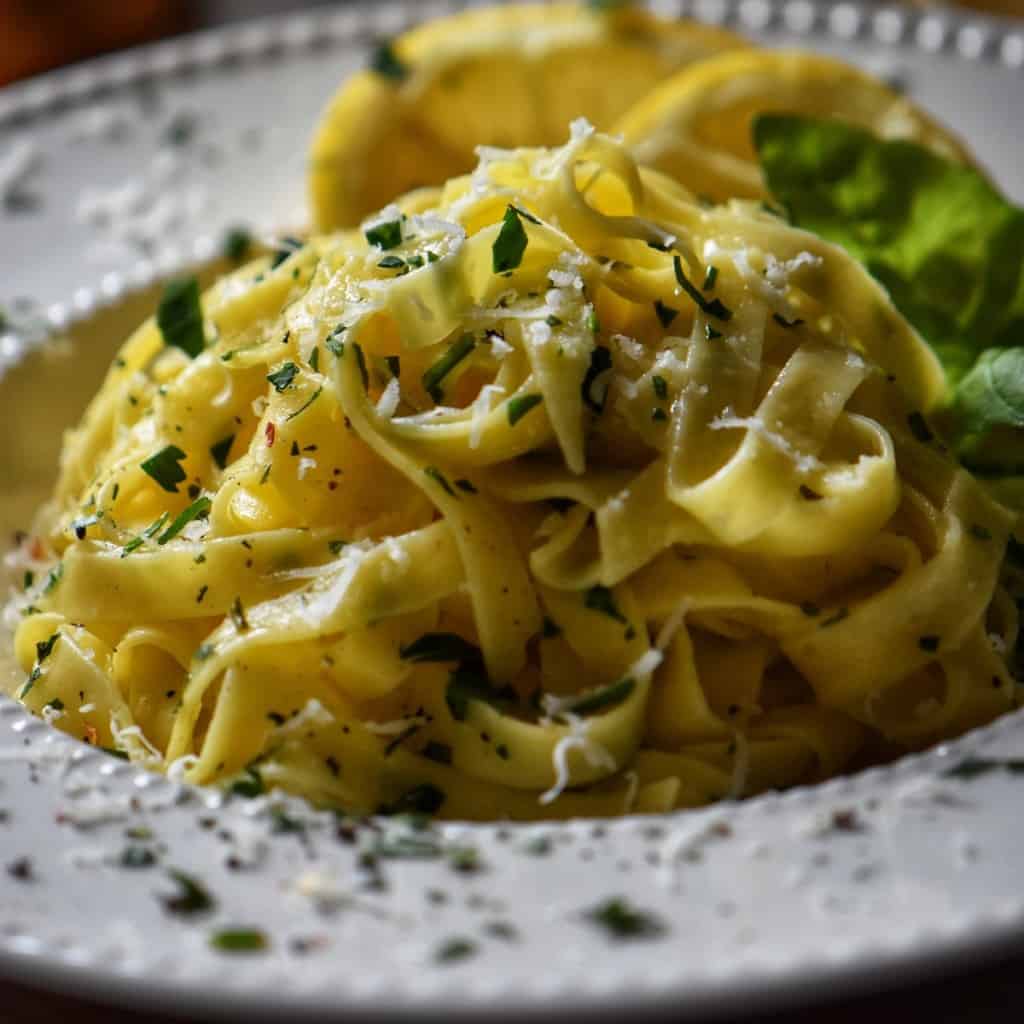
(239, 940)
(283, 376)
(713, 308)
(623, 921)
(199, 509)
(601, 599)
(436, 373)
(165, 468)
(219, 451)
(180, 316)
(518, 407)
(666, 314)
(509, 246)
(386, 235)
(192, 896)
(386, 62)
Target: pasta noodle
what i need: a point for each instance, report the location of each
(551, 492)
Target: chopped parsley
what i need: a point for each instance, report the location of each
(199, 509)
(975, 767)
(147, 534)
(386, 63)
(713, 308)
(180, 317)
(392, 263)
(289, 245)
(239, 940)
(436, 373)
(518, 407)
(135, 857)
(600, 362)
(666, 314)
(53, 577)
(165, 468)
(453, 950)
(283, 376)
(219, 451)
(623, 921)
(509, 246)
(710, 277)
(423, 799)
(601, 599)
(333, 340)
(236, 245)
(603, 697)
(191, 898)
(237, 613)
(434, 647)
(301, 409)
(386, 235)
(439, 478)
(249, 785)
(660, 386)
(466, 485)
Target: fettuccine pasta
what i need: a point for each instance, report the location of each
(551, 492)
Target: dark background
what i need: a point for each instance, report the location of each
(36, 35)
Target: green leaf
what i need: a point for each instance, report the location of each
(509, 246)
(945, 244)
(191, 898)
(165, 468)
(715, 307)
(989, 399)
(180, 317)
(436, 373)
(199, 509)
(518, 407)
(283, 376)
(623, 921)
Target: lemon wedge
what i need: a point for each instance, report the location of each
(496, 76)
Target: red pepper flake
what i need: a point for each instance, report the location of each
(271, 431)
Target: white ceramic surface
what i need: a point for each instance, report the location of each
(118, 171)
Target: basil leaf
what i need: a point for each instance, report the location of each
(947, 246)
(165, 468)
(509, 246)
(988, 406)
(180, 317)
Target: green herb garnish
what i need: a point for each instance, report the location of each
(219, 451)
(386, 63)
(180, 316)
(283, 376)
(385, 235)
(601, 599)
(623, 921)
(713, 308)
(437, 372)
(432, 647)
(199, 509)
(603, 697)
(240, 940)
(518, 407)
(439, 478)
(192, 896)
(509, 246)
(666, 314)
(236, 245)
(165, 468)
(600, 362)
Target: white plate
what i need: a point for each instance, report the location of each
(781, 898)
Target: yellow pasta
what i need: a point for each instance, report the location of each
(551, 492)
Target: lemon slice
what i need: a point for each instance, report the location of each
(499, 76)
(696, 126)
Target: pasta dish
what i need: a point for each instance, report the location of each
(553, 490)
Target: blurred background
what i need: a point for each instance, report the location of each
(36, 35)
